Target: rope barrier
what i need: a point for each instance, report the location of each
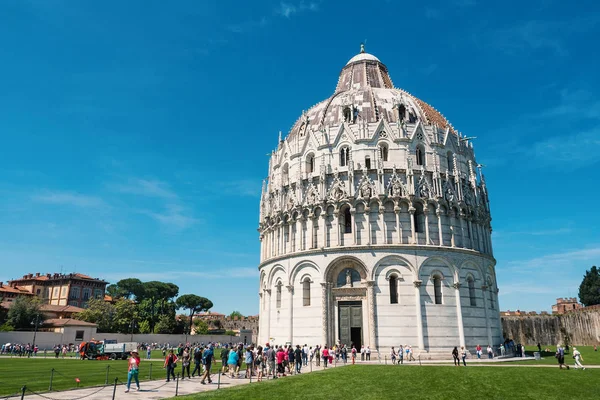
(76, 398)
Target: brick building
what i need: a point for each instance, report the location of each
(60, 289)
(565, 305)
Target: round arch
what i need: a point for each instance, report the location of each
(274, 271)
(444, 262)
(304, 266)
(343, 262)
(390, 258)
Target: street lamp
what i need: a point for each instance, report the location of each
(132, 325)
(35, 323)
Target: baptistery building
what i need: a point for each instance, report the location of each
(375, 225)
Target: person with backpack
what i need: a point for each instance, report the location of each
(259, 362)
(393, 355)
(185, 364)
(270, 356)
(353, 352)
(298, 358)
(170, 365)
(455, 357)
(232, 362)
(224, 358)
(197, 361)
(207, 357)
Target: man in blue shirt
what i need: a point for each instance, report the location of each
(207, 357)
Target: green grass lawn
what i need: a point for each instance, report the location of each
(35, 373)
(590, 357)
(427, 382)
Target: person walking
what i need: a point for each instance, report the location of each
(170, 365)
(224, 358)
(463, 352)
(560, 357)
(393, 355)
(478, 350)
(232, 362)
(578, 358)
(325, 355)
(318, 356)
(455, 357)
(280, 360)
(400, 355)
(197, 361)
(305, 355)
(298, 358)
(490, 352)
(368, 353)
(148, 353)
(271, 357)
(185, 364)
(207, 358)
(259, 362)
(249, 359)
(353, 353)
(133, 371)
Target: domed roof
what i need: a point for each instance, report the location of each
(365, 87)
(363, 56)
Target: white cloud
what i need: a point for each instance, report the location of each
(569, 151)
(287, 10)
(193, 272)
(69, 198)
(558, 260)
(146, 187)
(172, 217)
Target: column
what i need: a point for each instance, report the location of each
(420, 340)
(331, 306)
(470, 228)
(487, 321)
(298, 234)
(336, 221)
(411, 211)
(383, 227)
(324, 229)
(398, 225)
(426, 212)
(462, 230)
(439, 213)
(290, 289)
(268, 323)
(311, 233)
(371, 308)
(324, 313)
(354, 226)
(452, 221)
(368, 224)
(459, 318)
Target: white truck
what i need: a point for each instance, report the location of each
(119, 350)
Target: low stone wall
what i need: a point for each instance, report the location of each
(581, 326)
(47, 340)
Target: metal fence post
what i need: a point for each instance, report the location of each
(115, 389)
(150, 377)
(385, 360)
(23, 389)
(107, 371)
(177, 385)
(219, 381)
(51, 378)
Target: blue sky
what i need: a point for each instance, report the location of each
(134, 134)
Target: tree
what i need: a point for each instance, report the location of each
(165, 324)
(125, 315)
(589, 290)
(201, 327)
(24, 312)
(101, 313)
(131, 288)
(236, 314)
(155, 299)
(194, 304)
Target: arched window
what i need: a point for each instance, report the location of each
(306, 292)
(472, 297)
(368, 162)
(420, 155)
(347, 114)
(278, 296)
(492, 305)
(347, 220)
(310, 163)
(285, 174)
(419, 217)
(393, 289)
(383, 149)
(344, 156)
(437, 289)
(450, 159)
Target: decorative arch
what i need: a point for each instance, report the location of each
(343, 262)
(445, 262)
(304, 266)
(272, 273)
(392, 258)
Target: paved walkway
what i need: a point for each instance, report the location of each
(159, 389)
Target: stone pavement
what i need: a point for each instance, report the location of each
(159, 389)
(150, 390)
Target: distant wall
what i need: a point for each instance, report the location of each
(582, 327)
(46, 340)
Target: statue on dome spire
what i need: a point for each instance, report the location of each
(362, 47)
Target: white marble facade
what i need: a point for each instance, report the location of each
(375, 225)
